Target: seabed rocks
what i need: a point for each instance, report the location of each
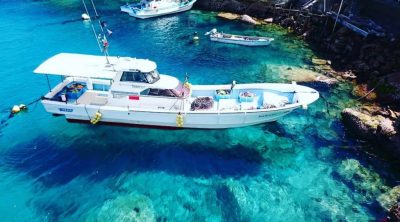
(390, 198)
(130, 208)
(234, 196)
(299, 74)
(364, 180)
(390, 201)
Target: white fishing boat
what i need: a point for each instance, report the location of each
(131, 91)
(238, 39)
(153, 8)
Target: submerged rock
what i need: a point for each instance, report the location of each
(365, 181)
(227, 15)
(233, 196)
(305, 75)
(317, 61)
(389, 199)
(394, 213)
(129, 208)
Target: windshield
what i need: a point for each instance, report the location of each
(137, 76)
(155, 74)
(152, 76)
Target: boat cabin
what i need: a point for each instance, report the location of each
(125, 82)
(145, 89)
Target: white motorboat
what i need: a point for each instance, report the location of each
(153, 8)
(238, 39)
(131, 91)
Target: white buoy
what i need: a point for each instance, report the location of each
(15, 109)
(85, 16)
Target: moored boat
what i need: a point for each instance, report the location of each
(153, 8)
(238, 39)
(131, 91)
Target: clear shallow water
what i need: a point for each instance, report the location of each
(51, 170)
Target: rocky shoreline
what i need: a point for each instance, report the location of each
(371, 63)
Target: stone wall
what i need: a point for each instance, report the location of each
(254, 8)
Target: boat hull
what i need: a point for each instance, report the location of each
(198, 120)
(144, 14)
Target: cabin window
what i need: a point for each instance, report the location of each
(145, 92)
(164, 92)
(101, 87)
(137, 76)
(153, 76)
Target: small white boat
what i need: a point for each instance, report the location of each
(131, 91)
(238, 39)
(153, 8)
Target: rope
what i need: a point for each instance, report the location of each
(91, 24)
(337, 16)
(104, 50)
(87, 113)
(34, 101)
(94, 7)
(3, 122)
(326, 103)
(369, 92)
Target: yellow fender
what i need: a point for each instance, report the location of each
(188, 86)
(96, 118)
(179, 120)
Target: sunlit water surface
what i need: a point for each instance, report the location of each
(52, 170)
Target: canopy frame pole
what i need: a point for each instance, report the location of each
(337, 16)
(48, 82)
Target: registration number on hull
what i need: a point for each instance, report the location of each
(66, 110)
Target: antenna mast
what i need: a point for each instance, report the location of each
(100, 38)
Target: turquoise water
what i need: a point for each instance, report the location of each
(52, 170)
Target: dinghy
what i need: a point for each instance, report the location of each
(238, 39)
(153, 8)
(131, 91)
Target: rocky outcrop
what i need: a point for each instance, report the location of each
(249, 19)
(306, 75)
(228, 15)
(388, 89)
(376, 125)
(250, 7)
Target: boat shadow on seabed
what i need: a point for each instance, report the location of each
(55, 165)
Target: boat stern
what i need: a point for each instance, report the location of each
(126, 8)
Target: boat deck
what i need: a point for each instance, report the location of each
(93, 98)
(224, 105)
